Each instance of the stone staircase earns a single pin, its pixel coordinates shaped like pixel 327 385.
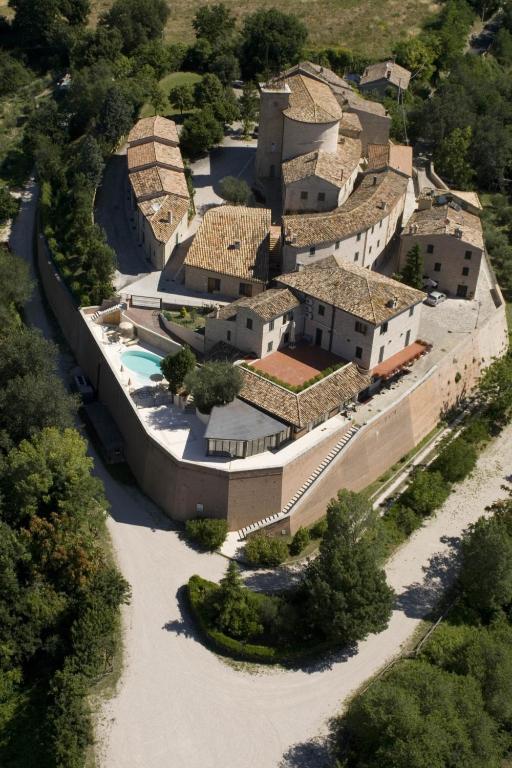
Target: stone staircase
pixel 101 313
pixel 288 509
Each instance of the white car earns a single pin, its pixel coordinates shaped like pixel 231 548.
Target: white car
pixel 435 298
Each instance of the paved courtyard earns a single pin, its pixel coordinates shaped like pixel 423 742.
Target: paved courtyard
pixel 295 366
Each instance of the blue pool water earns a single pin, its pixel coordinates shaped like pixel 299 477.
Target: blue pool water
pixel 146 364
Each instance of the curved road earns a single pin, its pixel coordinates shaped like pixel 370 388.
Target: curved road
pixel 180 705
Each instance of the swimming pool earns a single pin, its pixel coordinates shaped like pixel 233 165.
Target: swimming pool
pixel 145 364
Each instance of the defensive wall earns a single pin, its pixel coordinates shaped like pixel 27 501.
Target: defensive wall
pixel 242 497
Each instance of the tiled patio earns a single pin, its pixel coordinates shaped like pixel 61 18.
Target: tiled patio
pixel 295 366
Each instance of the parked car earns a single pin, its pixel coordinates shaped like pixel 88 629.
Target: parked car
pixel 81 384
pixel 434 298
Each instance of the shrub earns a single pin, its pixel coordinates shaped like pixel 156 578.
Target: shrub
pixel 176 367
pixel 477 432
pixel 214 384
pixel 265 550
pixel 235 190
pixel 299 541
pixel 456 460
pixel 235 607
pixel 318 529
pixel 427 491
pixel 208 533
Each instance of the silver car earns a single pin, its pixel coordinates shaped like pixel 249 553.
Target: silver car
pixel 434 298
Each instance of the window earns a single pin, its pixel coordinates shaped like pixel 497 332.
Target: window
pixel 228 335
pixel 381 354
pixel 411 311
pixel 462 291
pixel 430 248
pixel 359 352
pixel 213 284
pixel 303 195
pixel 437 266
pixel 285 318
pixel 358 236
pixel 337 245
pixel 468 255
pixel 245 289
pixel 312 250
pixel 356 256
pixel 269 346
pixel 370 249
pixel 321 310
pixel 372 230
pixel 380 224
pixel 321 197
pixel 271 325
pixel 248 324
pixel 361 327
pixel 286 338
pixel 383 328
pixel 407 339
pixel 378 243
pixel 465 271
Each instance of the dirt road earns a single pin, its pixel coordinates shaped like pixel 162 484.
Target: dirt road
pixel 180 705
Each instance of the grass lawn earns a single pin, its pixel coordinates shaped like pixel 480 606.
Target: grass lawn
pixel 165 84
pixel 366 26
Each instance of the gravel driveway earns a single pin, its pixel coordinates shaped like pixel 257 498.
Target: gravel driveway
pixel 180 705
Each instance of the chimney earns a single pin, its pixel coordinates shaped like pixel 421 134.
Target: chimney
pixel 392 303
pixel 235 246
pixel 169 217
pixel 458 233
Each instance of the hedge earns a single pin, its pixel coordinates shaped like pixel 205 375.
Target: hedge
pixel 197 588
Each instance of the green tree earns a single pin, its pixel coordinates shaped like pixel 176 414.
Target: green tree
pixel 271 41
pixel 452 157
pixel 426 492
pixel 418 55
pixel 214 384
pixel 486 570
pixel 345 595
pixel 419 716
pixel 15 289
pixel 214 23
pixel 235 190
pixel 226 66
pixel 8 205
pixel 412 273
pixel 138 21
pixel 209 92
pixel 249 106
pixel 455 461
pixel 13 75
pixel 157 99
pixel 176 367
pixel 90 163
pixel 116 116
pixel 209 533
pixel 182 97
pixel 201 131
pixel 495 389
pixel 236 608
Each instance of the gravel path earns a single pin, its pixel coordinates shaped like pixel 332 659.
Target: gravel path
pixel 180 705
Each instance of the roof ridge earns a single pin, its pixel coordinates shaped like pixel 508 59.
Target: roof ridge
pixel 370 297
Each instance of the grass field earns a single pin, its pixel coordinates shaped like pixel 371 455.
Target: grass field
pixel 365 26
pixel 165 84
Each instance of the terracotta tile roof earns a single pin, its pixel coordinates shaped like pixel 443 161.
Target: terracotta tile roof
pixel 267 305
pixel 386 70
pixel 368 295
pixel 352 100
pixel 447 220
pixel 157 181
pixel 318 71
pixel 164 214
pixel 304 407
pixel 154 153
pixel 350 125
pixel 156 127
pixel 397 156
pixel 334 168
pixel 233 240
pixel 310 100
pixel 366 206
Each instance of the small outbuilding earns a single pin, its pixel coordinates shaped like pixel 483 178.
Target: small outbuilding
pixel 238 430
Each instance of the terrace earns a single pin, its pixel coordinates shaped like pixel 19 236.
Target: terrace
pixel 294 367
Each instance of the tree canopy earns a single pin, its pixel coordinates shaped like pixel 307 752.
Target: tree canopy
pixel 214 384
pixel 176 367
pixel 271 41
pixel 138 21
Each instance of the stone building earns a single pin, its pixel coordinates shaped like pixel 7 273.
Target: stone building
pixel 383 77
pixel 159 193
pixel 450 240
pixel 231 251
